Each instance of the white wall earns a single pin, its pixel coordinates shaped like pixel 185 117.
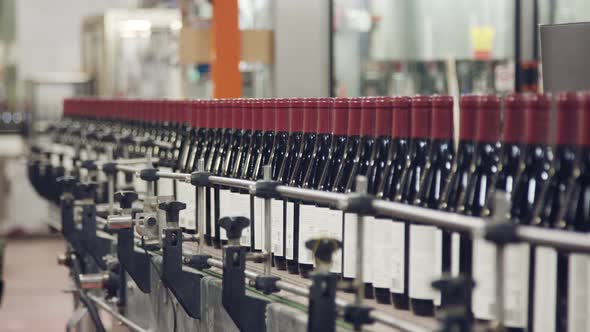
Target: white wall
pixel 48 32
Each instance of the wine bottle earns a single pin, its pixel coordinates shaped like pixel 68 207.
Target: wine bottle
pixel 294 153
pixel 550 304
pixel 530 185
pixel 475 256
pixel 182 189
pixel 343 175
pixel 425 256
pixel 410 185
pixel 310 120
pixel 241 198
pixel 206 153
pixel 171 108
pixel 221 199
pixel 249 172
pixel 277 159
pixel 263 159
pixel 458 181
pixel 375 176
pixel 576 218
pixel 364 157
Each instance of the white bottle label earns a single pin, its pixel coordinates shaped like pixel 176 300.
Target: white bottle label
pixel 424 255
pixel 277 227
pixel 382 249
pixel 165 186
pixel 334 224
pixel 290 213
pixel 350 243
pixel 258 223
pixel 578 295
pixel 212 211
pixel 54 161
pixel 186 194
pixel 516 282
pixel 102 158
pixel 455 253
pixel 240 206
pixel 398 252
pixel 545 289
pixel 139 185
pixel 308 221
pixel 225 210
pixel 349 246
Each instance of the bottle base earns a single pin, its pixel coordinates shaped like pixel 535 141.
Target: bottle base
pixel 349 280
pixel 400 301
pixel 369 291
pixel 280 263
pixel 305 270
pixel 208 240
pixel 292 267
pixel 422 307
pixel 382 295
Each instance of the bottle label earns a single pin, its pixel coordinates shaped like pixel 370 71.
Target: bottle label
pixel 578 295
pixel 290 214
pixel 54 160
pixel 165 186
pixel 226 209
pixel 382 249
pixel 212 211
pixel 258 223
pixel 102 158
pixel 308 221
pixel 334 224
pixel 277 227
pixel 139 185
pixel 350 244
pixel 516 282
pixel 186 194
pixel 240 207
pixel 398 252
pixel 425 261
pixel 545 289
pixel 455 253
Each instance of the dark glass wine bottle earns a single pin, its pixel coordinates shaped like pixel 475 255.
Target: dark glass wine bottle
pixel 375 176
pixel 249 172
pixel 479 189
pixel 310 120
pixel 263 159
pixel 241 198
pixel 341 181
pixel 364 157
pixel 458 181
pixel 425 256
pixel 277 159
pixel 550 298
pixel 294 153
pixel 206 153
pixel 410 185
pixel 220 193
pixel 530 185
pixel 576 218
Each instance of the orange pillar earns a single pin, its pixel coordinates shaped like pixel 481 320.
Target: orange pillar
pixel 226 48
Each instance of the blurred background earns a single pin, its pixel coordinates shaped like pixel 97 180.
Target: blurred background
pixel 50 50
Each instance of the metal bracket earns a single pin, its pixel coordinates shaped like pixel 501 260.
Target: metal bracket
pixel 247 312
pixel 322 304
pixel 200 179
pixel 358 315
pixel 136 264
pixel 93 245
pixel 266 189
pixel 360 204
pixel 185 286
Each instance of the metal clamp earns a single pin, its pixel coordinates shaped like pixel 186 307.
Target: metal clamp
pixel 358 203
pixel 135 263
pixel 200 179
pixel 266 189
pixel 247 312
pixel 455 314
pixel 322 293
